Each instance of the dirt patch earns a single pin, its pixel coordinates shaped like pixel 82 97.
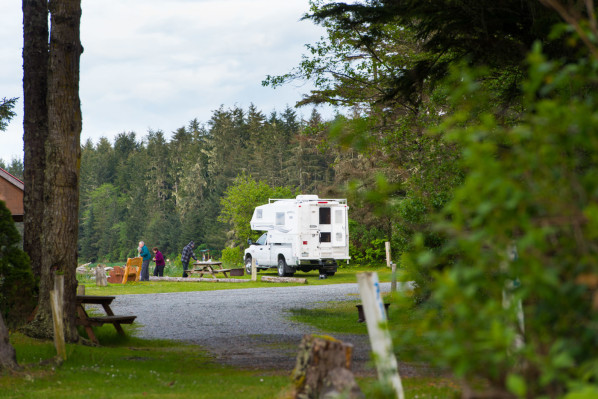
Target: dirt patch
pixel 278 353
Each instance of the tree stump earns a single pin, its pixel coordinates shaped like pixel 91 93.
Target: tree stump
pixel 323 369
pixel 101 280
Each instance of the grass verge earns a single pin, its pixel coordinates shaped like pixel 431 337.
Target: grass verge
pixel 127 367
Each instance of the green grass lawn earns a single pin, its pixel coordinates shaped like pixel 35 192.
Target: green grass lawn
pixel 128 367
pixel 131 368
pixel 345 274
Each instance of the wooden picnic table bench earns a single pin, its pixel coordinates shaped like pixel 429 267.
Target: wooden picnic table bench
pixel 202 268
pixel 88 322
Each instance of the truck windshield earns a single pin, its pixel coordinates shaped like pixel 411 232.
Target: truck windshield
pixel 262 239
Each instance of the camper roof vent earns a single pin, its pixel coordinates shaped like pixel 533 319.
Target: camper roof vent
pixel 307 197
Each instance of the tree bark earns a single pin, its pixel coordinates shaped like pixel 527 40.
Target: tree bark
pixel 59 204
pixel 35 134
pixel 8 357
pixel 35 124
pixel 323 365
pixel 63 156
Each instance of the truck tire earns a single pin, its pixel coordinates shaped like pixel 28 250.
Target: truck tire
pixel 282 267
pixel 248 265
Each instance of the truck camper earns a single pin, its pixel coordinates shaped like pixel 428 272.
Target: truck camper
pixel 304 233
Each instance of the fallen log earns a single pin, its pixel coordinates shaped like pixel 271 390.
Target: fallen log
pixel 199 279
pixel 271 279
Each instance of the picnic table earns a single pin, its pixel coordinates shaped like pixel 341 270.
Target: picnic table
pixel 209 267
pixel 88 322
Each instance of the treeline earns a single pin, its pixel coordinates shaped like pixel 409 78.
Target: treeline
pixel 168 192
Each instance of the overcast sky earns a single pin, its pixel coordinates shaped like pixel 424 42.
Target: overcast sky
pixel 155 64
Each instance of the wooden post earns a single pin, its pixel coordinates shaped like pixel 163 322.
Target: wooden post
pixel 388 260
pixel 393 281
pixel 57 303
pixel 101 280
pixel 253 270
pixel 80 290
pixel 375 317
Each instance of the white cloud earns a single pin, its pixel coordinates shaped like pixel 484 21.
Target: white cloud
pixel 155 64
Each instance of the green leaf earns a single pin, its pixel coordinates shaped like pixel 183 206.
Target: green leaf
pixel 516 384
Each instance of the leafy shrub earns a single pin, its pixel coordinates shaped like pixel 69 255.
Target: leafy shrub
pixel 17 284
pixel 514 294
pixel 232 257
pixel 367 244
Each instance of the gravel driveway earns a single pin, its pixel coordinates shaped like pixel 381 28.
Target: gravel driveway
pixel 242 327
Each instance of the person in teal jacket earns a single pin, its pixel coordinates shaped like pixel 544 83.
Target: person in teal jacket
pixel 145 254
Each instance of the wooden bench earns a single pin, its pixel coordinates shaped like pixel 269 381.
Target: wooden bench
pixel 88 322
pixel 210 271
pixel 209 267
pixel 132 269
pixel 130 272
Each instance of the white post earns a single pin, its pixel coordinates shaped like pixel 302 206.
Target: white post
pixel 375 317
pixel 253 270
pixel 507 299
pixel 57 303
pixel 387 246
pixel 393 281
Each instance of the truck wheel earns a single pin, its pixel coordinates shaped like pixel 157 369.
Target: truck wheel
pixel 282 267
pixel 248 265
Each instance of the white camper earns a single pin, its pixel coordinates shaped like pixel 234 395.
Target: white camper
pixel 304 233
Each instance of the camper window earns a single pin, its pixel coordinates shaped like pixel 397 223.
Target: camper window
pixel 280 218
pixel 258 213
pixel 338 216
pixel 324 237
pixel 324 215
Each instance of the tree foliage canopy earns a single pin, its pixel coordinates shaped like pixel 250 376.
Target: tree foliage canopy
pixel 6 112
pixel 194 186
pixel 486 176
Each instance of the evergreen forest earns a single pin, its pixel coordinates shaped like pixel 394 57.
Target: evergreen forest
pixel 169 192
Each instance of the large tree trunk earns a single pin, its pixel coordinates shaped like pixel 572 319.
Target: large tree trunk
pixel 35 124
pixel 35 127
pixel 8 357
pixel 61 153
pixel 63 156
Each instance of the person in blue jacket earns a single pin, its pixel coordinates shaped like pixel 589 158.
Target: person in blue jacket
pixel 145 254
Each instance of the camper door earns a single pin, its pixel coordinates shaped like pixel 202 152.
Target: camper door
pixel 333 226
pixel 339 226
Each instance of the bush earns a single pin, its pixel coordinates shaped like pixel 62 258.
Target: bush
pixel 514 298
pixel 18 289
pixel 232 257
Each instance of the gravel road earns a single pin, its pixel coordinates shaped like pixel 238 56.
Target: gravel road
pixel 242 327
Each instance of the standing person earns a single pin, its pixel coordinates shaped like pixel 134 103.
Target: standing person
pixel 186 256
pixel 159 259
pixel 145 254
